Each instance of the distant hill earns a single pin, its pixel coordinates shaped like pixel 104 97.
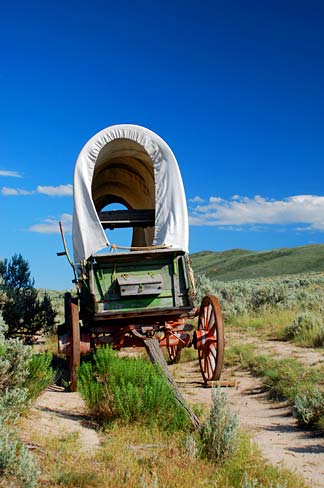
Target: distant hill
pixel 238 264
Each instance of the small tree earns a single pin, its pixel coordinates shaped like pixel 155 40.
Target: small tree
pixel 23 312
pixel 15 273
pixel 49 314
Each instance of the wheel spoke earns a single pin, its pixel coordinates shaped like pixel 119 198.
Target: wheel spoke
pixel 208 366
pixel 209 309
pixel 211 368
pixel 202 322
pixel 211 322
pixel 206 316
pixel 213 351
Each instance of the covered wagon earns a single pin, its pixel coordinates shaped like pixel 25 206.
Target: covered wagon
pixel 129 293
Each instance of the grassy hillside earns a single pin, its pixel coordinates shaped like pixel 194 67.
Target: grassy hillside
pixel 239 264
pixel 244 264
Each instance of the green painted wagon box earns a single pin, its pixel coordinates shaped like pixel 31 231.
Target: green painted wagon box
pixel 138 280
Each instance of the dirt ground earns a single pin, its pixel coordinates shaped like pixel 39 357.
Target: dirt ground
pixel 269 423
pixel 57 413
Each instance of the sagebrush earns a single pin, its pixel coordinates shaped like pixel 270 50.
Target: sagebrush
pixel 218 434
pixel 303 292
pixel 22 377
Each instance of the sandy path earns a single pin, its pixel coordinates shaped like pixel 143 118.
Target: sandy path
pixel 57 413
pixel 307 356
pixel 269 423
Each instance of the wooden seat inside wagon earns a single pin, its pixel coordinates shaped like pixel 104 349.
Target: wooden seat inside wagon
pixel 115 219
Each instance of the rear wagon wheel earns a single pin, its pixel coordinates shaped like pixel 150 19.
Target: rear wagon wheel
pixel 211 343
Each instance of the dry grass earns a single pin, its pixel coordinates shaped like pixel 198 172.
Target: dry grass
pixel 268 323
pixel 135 457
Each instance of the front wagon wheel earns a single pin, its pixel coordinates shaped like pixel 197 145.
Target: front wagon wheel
pixel 210 339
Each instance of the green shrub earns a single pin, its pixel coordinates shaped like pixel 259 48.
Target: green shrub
pixel 308 328
pixel 40 374
pixel 129 389
pixel 18 467
pixel 218 435
pixel 22 377
pixel 14 359
pixel 309 407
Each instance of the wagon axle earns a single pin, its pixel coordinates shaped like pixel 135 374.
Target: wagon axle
pixel 133 338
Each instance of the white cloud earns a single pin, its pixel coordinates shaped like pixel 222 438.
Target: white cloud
pixel 12 174
pixel 196 199
pixel 51 225
pixel 299 209
pixel 215 200
pixel 15 191
pixel 61 190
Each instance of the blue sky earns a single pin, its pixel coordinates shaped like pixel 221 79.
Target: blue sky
pixel 235 88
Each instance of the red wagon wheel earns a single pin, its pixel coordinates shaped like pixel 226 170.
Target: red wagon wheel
pixel 210 336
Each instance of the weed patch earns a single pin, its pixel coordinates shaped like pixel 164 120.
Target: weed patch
pixel 129 389
pixel 137 456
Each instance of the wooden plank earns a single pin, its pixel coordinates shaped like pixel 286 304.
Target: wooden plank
pixel 135 256
pixel 136 279
pixel 156 356
pixel 127 218
pixel 138 285
pixel 137 315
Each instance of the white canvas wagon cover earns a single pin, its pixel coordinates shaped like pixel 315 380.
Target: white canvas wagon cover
pixel 131 165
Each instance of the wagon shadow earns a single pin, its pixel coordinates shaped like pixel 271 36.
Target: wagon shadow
pixel 314 449
pixel 85 420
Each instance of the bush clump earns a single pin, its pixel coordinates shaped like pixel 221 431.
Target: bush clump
pixel 132 390
pixel 218 435
pixel 18 467
pixel 40 374
pixel 307 328
pixel 22 377
pixel 309 407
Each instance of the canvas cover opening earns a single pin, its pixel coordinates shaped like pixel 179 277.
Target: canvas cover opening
pixel 131 165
